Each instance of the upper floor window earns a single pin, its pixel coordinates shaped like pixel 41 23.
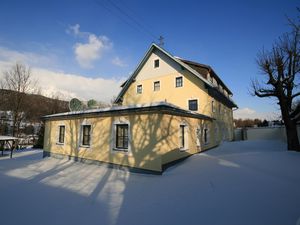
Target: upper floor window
pixel 193 105
pixel 139 89
pixel 156 86
pixel 86 135
pixel 156 63
pixel 61 135
pixel 122 137
pixel 213 106
pixel 179 82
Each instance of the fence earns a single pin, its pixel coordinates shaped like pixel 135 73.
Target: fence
pixel 259 133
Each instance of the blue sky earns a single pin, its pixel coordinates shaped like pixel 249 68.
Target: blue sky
pixel 97 41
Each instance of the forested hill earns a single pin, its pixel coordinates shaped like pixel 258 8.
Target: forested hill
pixel 33 105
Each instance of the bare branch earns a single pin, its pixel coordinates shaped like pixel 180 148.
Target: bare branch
pixel 295 95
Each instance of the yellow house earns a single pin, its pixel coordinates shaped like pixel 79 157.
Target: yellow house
pixel 169 108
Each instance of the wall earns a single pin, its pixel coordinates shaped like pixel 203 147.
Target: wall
pixel 193 88
pixel 154 139
pixel 195 140
pixel 266 133
pixel 144 152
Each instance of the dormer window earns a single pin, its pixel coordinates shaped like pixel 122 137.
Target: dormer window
pixel 156 63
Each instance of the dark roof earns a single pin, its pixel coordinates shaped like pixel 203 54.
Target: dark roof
pixel 157 107
pixel 203 69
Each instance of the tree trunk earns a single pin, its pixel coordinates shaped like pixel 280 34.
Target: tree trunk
pixel 292 136
pixel 290 127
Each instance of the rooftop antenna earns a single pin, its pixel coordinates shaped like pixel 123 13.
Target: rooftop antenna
pixel 161 41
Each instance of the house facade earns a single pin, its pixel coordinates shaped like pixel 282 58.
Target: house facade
pixel 168 109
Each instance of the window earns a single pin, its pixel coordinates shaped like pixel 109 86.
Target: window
pixel 206 136
pixel 156 63
pixel 122 136
pixel 183 142
pixel 61 135
pixel 156 86
pixel 139 89
pixel 198 137
pixel 179 82
pixel 86 135
pixel 193 105
pixel 213 106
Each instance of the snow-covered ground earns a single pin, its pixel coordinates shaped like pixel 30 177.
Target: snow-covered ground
pixel 251 182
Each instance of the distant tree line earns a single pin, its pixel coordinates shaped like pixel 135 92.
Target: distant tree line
pixel 240 123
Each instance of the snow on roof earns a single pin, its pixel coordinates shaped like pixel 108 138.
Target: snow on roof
pixel 7 138
pixel 129 107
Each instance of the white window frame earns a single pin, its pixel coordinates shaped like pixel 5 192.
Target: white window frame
pixel 114 139
pixel 139 85
pixel 198 132
pixel 84 123
pixel 176 82
pixel 57 134
pixel 154 85
pixel 186 137
pixel 198 105
pixel 213 108
pixel 207 141
pixel 157 59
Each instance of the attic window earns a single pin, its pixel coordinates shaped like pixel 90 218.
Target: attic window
pixel 179 82
pixel 156 63
pixel 139 89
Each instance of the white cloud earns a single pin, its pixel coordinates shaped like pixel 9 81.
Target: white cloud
pixel 91 49
pixel 63 84
pixel 8 55
pixel 118 62
pixel 73 29
pixel 248 113
pixel 87 53
pixel 71 85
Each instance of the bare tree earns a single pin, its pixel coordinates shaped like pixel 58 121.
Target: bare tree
pixel 281 69
pixel 19 80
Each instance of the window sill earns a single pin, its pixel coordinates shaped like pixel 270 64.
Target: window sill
pixel 59 143
pixel 84 146
pixel 121 149
pixel 183 149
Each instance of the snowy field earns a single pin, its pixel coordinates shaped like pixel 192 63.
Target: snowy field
pixel 251 182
